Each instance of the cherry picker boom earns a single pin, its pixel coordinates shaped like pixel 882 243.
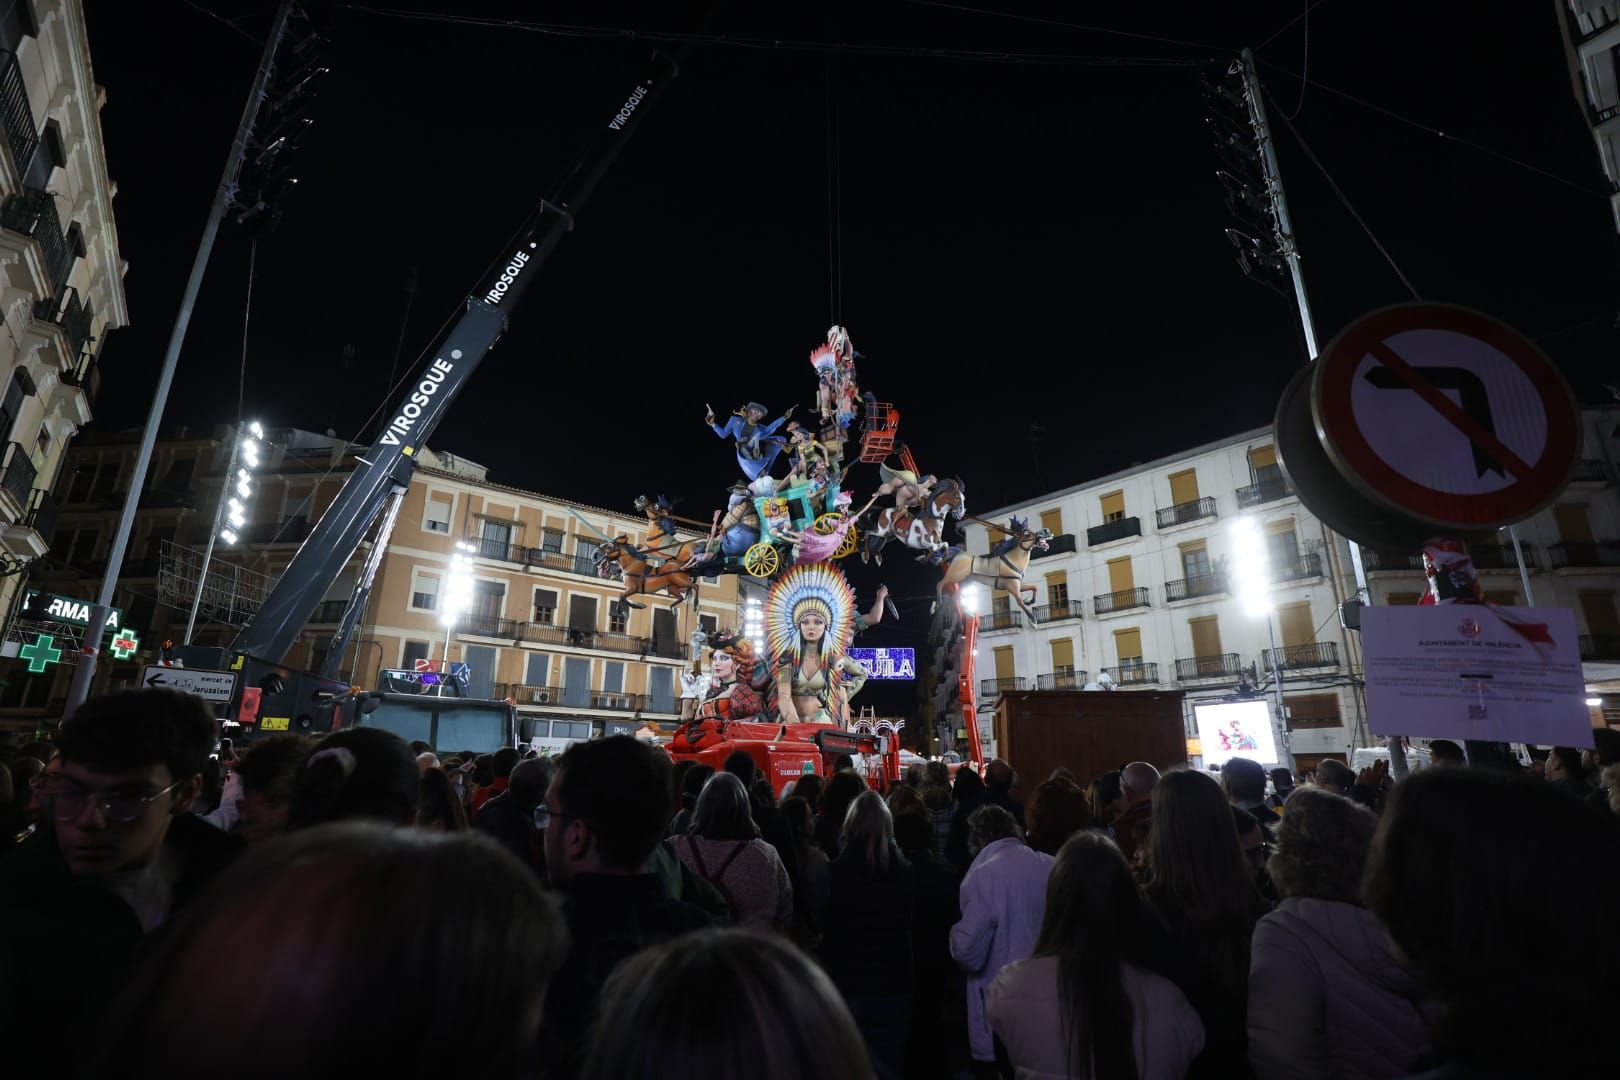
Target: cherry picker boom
pixel 373 492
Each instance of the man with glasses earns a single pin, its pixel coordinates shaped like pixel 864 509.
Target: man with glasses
pixel 118 852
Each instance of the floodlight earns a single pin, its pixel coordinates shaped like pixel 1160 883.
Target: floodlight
pixel 1251 578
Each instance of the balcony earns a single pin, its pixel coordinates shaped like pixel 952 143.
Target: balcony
pixel 1001 620
pixel 1110 531
pixel 500 551
pixel 1211 584
pixel 33 213
pixel 77 389
pixel 1063 679
pixel 16 114
pixel 1186 513
pixel 1560 556
pixel 1318 654
pixel 1062 544
pixel 73 318
pixel 1123 600
pixel 524 694
pixel 993 688
pixel 1138 673
pixel 18 479
pixel 1589 471
pixel 536 633
pixel 1267 490
pixel 329 611
pixel 1389 561
pixel 1063 609
pixel 1225 666
pixel 1500 557
pixel 618 702
pixel 30 536
pixel 1600 647
pixel 1301 569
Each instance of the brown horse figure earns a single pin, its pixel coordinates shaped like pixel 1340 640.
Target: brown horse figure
pixel 922 529
pixel 1004 567
pixel 639 577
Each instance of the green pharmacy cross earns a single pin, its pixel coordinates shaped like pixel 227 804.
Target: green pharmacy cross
pixel 125 644
pixel 40 652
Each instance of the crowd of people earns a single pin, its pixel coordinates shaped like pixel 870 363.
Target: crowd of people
pixel 311 907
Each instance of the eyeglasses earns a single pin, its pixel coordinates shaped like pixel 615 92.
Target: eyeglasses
pixel 68 802
pixel 543 815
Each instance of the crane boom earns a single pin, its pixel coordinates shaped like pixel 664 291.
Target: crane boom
pixel 385 470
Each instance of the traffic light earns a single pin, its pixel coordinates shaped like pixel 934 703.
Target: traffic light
pixel 1232 123
pixel 268 166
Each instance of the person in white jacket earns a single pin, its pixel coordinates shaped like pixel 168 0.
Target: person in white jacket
pixel 1326 995
pixel 1003 899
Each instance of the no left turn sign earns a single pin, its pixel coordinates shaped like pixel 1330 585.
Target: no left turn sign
pixel 1446 415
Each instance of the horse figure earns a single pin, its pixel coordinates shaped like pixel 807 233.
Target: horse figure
pixel 637 574
pixel 922 529
pixel 1004 567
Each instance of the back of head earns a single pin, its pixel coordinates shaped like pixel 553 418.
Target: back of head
pixel 692 784
pixel 505 760
pixel 1570 759
pixel 904 799
pixel 988 824
pixel 1335 776
pixel 1104 791
pixel 314 923
pixel 1244 780
pixel 1138 779
pixel 530 779
pixel 620 788
pixel 1321 846
pixel 868 831
pixel 969 787
pixel 765 1013
pixel 723 810
pixel 998 776
pixel 1471 871
pixel 936 772
pixel 359 772
pixel 808 787
pixel 1444 752
pixel 1058 811
pixel 1282 780
pixel 269 764
pixel 1196 865
pixel 133 729
pixel 438 806
pixel 839 791
pixel 484 770
pixel 1605 747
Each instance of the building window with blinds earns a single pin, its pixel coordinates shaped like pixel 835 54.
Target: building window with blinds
pixel 1113 507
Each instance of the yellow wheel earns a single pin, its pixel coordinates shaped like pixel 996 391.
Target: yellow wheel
pixel 762 560
pixel 828 523
pixel 850 544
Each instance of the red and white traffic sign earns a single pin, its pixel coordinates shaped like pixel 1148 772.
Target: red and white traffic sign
pixel 1446 415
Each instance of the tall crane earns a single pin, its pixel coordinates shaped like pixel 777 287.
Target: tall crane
pixel 375 489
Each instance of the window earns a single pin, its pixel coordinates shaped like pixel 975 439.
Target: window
pixel 661 690
pixel 1000 601
pixel 20 387
pixel 494 539
pixel 613 677
pixel 440 508
pixel 1113 506
pixel 488 598
pixel 84 477
pixel 82 548
pixel 1057 589
pixel 1128 647
pixel 551 540
pixel 414 651
pixel 1263 464
pixel 106 477
pixel 618 617
pixel 480 730
pixel 1206 639
pixel 582 612
pixel 42 443
pixel 1052 521
pixel 710 624
pixel 424 592
pixel 1184 487
pixel 545 606
pixel 1282 545
pixel 1195 559
pixel 1120 578
pixel 571 729
pixel 536 669
pixel 178 478
pixel 1598 607
pixel 1006 667
pixel 1298 628
pixel 1063 656
pixel 1312 711
pixel 1574 527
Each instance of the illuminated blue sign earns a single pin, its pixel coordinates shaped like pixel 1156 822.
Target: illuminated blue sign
pixel 887 663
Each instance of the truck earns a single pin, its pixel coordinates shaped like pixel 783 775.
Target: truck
pixel 1088 731
pixel 272 696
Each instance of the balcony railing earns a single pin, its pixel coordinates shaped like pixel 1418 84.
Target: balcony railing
pixel 990 688
pixel 1001 620
pixel 41 516
pixel 1373 559
pixel 33 213
pixel 1122 600
pixel 73 317
pixel 1293 657
pixel 1063 609
pixel 1191 588
pixel 18 480
pixel 1590 470
pixel 1065 679
pixel 1133 674
pixel 1600 646
pixel 501 551
pixel 576 637
pixel 1113 530
pixel 1267 490
pixel 1222 666
pixel 16 114
pixel 1500 556
pixel 1062 544
pixel 329 611
pixel 1300 569
pixel 86 376
pixel 1183 513
pixel 1599 554
pixel 619 702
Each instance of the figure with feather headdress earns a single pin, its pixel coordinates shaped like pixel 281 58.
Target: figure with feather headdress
pixel 810 620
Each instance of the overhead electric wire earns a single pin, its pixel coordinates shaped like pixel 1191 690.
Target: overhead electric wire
pixel 1304 61
pixel 996 56
pixel 1310 6
pixel 247 312
pixel 1345 199
pixel 220 18
pixel 1087 28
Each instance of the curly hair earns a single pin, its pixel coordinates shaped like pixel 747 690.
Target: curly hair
pixel 1321 846
pixel 742 651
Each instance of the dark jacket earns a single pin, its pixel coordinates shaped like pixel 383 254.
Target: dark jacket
pixel 1002 797
pixel 610 919
pixel 956 845
pixel 68 946
pixel 867 945
pixel 510 823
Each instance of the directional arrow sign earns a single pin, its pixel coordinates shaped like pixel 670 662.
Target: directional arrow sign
pixel 1445 415
pixel 208 685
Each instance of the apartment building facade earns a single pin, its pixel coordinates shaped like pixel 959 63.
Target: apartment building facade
pixel 61 272
pixel 1136 589
pixel 1592 38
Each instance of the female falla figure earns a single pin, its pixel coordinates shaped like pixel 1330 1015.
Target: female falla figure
pixel 730 695
pixel 810 618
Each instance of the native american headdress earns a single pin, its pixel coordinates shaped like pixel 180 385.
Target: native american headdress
pixel 814 587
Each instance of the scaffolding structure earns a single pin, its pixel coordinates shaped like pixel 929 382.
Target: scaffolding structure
pixel 231 595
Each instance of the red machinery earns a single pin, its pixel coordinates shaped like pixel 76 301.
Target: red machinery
pixel 788 751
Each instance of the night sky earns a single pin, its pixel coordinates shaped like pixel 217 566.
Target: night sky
pixel 1021 243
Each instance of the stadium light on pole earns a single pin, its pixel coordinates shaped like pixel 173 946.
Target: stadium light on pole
pixel 230 518
pixel 971 597
pixel 1251 584
pixel 456 599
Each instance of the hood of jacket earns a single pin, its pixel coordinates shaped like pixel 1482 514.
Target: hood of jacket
pixel 1351 933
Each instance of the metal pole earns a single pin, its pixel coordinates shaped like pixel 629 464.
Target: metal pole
pixel 1524 575
pixel 1290 253
pixel 85 670
pixel 444 664
pixel 208 552
pixel 1280 727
